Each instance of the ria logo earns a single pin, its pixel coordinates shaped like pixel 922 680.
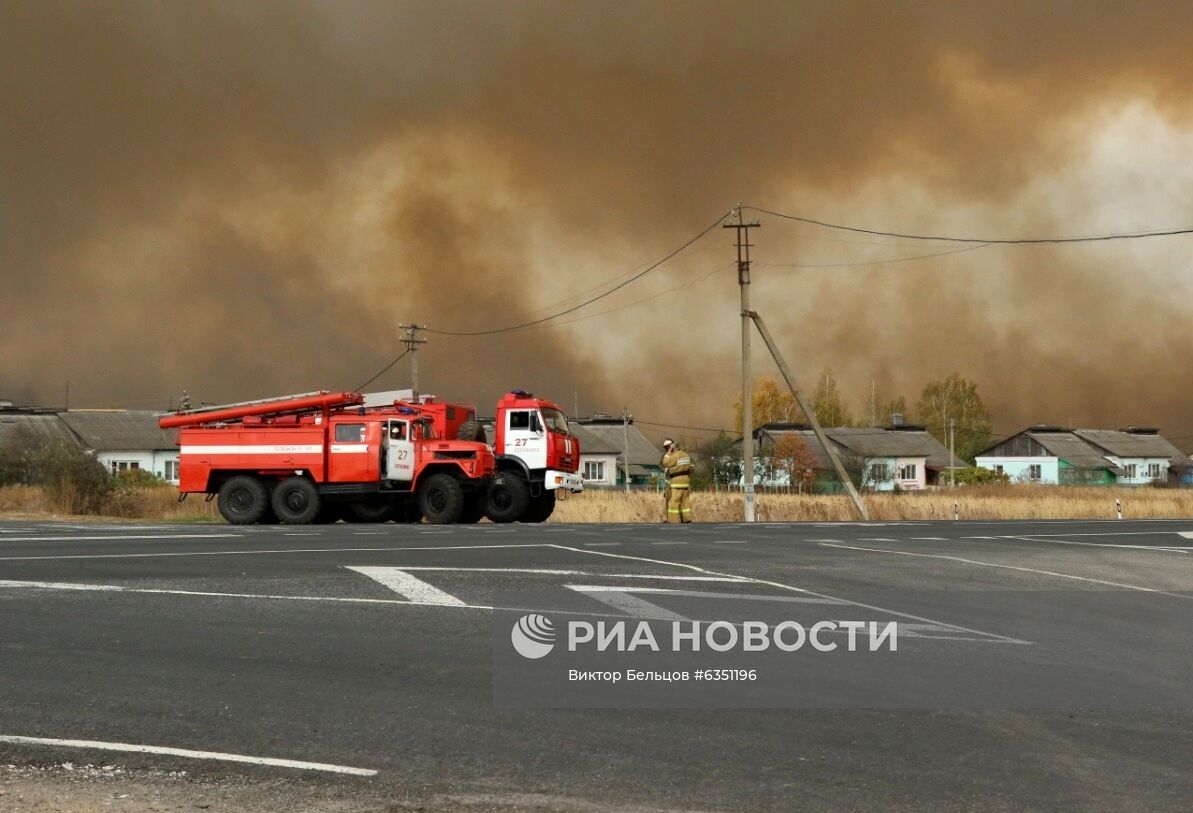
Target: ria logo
pixel 533 636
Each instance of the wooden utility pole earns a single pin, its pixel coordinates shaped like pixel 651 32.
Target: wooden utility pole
pixel 747 406
pixel 412 342
pixel 825 443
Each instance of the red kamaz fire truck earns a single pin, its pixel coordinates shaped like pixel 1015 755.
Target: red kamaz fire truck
pixel 537 455
pixel 324 456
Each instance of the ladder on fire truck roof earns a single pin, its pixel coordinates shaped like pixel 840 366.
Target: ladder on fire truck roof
pixel 303 402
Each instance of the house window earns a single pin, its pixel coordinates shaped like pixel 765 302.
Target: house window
pixel 171 470
pixel 1035 472
pixel 350 433
pixel 1153 471
pixel 880 472
pixel 998 468
pixel 1131 469
pixel 594 469
pixel 909 471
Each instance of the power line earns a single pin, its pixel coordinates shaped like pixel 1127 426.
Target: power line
pixel 876 262
pixel 589 301
pixel 384 370
pixel 1093 238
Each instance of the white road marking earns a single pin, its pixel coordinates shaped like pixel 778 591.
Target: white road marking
pixel 408 586
pixel 186 753
pixel 116 537
pixel 782 586
pixel 588 588
pixel 730 541
pixel 303 533
pixel 915 538
pixel 558 572
pixel 1097 544
pixel 1016 567
pixel 876 539
pixel 628 604
pixel 275 551
pixel 601 544
pixel 1185 534
pixel 668 543
pixel 59 585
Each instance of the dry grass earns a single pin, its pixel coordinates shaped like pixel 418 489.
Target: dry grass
pixel 981 502
pixel 158 504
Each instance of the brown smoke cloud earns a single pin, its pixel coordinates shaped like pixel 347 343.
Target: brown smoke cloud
pixel 246 199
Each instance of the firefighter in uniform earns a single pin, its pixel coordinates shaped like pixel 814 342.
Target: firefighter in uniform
pixel 677 465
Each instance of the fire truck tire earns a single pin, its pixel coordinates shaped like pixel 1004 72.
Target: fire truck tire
pixel 508 498
pixel 540 508
pixel 409 512
pixel 243 500
pixel 376 509
pixel 471 430
pixel 441 499
pixel 296 501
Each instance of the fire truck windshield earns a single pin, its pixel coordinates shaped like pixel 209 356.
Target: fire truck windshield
pixel 556 421
pixel 424 429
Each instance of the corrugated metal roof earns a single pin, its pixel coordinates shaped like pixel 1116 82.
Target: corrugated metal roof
pixel 38 427
pixel 873 442
pixel 608 438
pixel 1130 444
pixel 119 431
pixel 1072 449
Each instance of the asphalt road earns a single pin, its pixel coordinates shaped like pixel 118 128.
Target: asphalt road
pixel 1070 641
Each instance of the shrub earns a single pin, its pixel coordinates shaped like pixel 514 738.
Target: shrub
pixel 74 481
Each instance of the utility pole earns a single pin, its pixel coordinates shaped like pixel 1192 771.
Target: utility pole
pixel 412 342
pixel 810 414
pixel 625 430
pixel 952 452
pixel 747 400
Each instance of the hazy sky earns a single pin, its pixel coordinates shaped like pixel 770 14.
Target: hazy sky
pixel 246 198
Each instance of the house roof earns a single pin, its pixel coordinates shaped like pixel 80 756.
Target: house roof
pixel 39 427
pixel 1132 444
pixel 609 438
pixel 868 441
pixel 118 431
pixel 1072 449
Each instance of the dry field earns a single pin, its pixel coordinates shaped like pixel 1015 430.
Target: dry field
pixel 157 504
pixel 978 502
pixel 982 502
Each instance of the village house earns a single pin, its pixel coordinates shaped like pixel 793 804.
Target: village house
pixel 602 452
pixel 897 457
pixel 1054 455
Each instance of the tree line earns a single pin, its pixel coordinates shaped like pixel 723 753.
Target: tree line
pixel 953 397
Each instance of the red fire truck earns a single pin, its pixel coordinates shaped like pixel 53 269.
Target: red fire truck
pixel 323 456
pixel 537 455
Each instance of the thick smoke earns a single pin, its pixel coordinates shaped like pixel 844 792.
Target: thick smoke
pixel 246 199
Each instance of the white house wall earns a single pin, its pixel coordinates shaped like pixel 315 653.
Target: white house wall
pixel 1141 465
pixel 610 473
pixel 1019 468
pixel 152 461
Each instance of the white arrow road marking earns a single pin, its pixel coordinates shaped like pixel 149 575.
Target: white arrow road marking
pixel 620 599
pixel 408 586
pixel 188 754
pixel 1185 534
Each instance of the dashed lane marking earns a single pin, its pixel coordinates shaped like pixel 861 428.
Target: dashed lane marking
pixel 730 542
pixel 186 753
pixel 601 544
pixel 1163 548
pixel 668 543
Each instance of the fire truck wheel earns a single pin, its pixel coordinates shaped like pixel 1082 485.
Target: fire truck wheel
pixel 296 501
pixel 376 509
pixel 243 500
pixel 471 430
pixel 409 512
pixel 441 499
pixel 508 498
pixel 540 508
pixel 329 514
